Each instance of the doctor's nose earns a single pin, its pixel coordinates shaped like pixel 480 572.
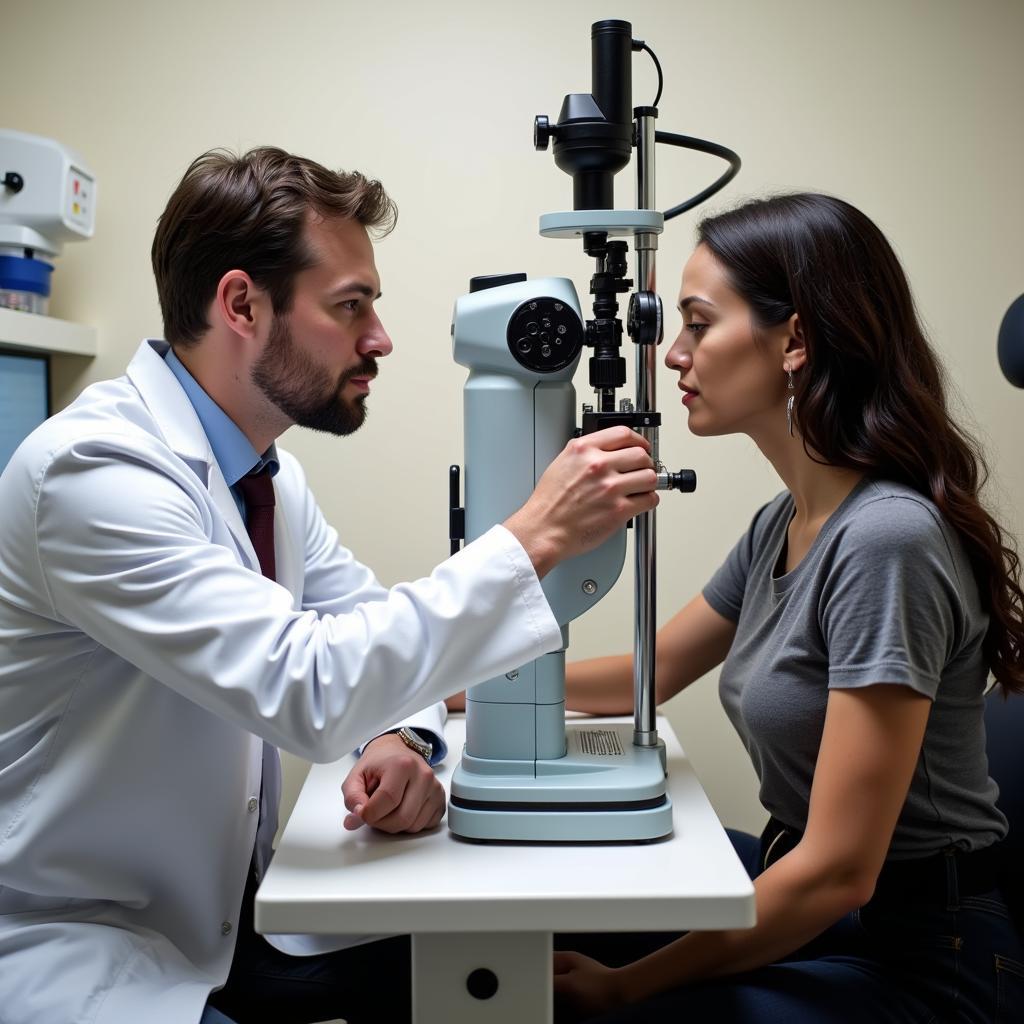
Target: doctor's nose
pixel 376 341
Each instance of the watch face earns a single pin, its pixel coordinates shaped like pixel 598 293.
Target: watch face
pixel 413 740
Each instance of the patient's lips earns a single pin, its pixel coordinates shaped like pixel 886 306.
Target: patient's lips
pixel 688 393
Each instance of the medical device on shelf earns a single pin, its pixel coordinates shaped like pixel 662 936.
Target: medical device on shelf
pixel 47 198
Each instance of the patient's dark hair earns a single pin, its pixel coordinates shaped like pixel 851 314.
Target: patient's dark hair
pixel 249 213
pixel 871 396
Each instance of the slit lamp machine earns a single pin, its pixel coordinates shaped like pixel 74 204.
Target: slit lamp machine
pixel 524 776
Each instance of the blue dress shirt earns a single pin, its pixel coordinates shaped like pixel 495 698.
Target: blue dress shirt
pixel 233 451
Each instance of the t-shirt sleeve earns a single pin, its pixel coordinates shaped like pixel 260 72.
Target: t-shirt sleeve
pixel 724 591
pixel 891 610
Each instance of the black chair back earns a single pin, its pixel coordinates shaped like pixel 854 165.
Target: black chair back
pixel 1004 726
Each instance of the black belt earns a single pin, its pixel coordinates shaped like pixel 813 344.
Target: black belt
pixel 939 878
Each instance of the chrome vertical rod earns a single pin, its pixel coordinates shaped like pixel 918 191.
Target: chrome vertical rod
pixel 645 733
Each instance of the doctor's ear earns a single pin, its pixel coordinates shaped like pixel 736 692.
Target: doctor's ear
pixel 795 351
pixel 240 304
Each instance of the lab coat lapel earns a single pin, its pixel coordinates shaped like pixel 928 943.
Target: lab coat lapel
pixel 170 408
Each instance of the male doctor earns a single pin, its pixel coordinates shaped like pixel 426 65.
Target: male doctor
pixel 173 608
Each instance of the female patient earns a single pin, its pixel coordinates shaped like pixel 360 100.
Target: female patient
pixel 858 620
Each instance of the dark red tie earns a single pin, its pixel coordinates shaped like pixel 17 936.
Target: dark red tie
pixel 258 492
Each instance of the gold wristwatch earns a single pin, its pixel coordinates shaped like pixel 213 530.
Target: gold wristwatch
pixel 414 741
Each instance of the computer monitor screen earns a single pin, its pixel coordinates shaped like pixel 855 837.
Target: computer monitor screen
pixel 24 398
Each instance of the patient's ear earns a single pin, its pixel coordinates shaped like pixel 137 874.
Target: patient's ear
pixel 795 350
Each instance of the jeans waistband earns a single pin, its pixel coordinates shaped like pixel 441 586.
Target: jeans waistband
pixel 942 877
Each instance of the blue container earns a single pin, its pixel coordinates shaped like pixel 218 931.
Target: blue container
pixel 22 274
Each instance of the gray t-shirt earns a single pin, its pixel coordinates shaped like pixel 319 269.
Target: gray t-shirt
pixel 885 595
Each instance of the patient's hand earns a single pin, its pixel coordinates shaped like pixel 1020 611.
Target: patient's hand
pixel 392 789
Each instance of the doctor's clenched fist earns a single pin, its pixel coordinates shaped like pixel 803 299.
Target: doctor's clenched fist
pixel 392 789
pixel 595 486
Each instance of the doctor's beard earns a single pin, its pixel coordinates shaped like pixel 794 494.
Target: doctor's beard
pixel 301 388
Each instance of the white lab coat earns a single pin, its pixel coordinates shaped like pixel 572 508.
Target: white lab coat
pixel 143 659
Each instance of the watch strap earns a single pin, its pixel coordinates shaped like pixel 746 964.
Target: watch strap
pixel 414 741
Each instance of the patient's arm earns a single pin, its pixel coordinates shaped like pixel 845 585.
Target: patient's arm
pixel 690 644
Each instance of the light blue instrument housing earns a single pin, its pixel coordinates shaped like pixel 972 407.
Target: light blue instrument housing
pixel 517 420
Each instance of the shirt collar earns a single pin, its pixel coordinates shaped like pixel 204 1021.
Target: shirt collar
pixel 231 448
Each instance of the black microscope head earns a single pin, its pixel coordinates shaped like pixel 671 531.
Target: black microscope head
pixel 593 138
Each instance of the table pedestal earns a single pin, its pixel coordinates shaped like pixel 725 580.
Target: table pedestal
pixel 482 978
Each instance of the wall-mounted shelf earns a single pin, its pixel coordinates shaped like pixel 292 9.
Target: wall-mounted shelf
pixel 45 333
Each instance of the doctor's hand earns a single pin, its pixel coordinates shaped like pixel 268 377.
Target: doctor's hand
pixel 392 789
pixel 593 488
pixel 587 985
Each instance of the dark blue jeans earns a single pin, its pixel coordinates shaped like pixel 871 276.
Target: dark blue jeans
pixel 954 959
pixel 367 984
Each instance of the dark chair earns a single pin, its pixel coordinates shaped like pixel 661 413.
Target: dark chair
pixel 1004 726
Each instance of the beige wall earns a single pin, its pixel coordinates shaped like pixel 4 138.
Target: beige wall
pixel 912 109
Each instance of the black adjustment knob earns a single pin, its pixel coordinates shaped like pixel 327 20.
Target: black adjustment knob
pixel 482 983
pixel 542 132
pixel 607 372
pixel 644 322
pixel 14 181
pixel 685 481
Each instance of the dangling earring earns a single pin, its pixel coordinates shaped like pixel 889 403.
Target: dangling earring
pixel 789 402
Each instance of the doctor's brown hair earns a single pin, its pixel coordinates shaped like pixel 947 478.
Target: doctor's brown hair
pixel 249 213
pixel 872 395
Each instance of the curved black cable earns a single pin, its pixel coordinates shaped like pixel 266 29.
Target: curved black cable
pixel 639 44
pixel 701 146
